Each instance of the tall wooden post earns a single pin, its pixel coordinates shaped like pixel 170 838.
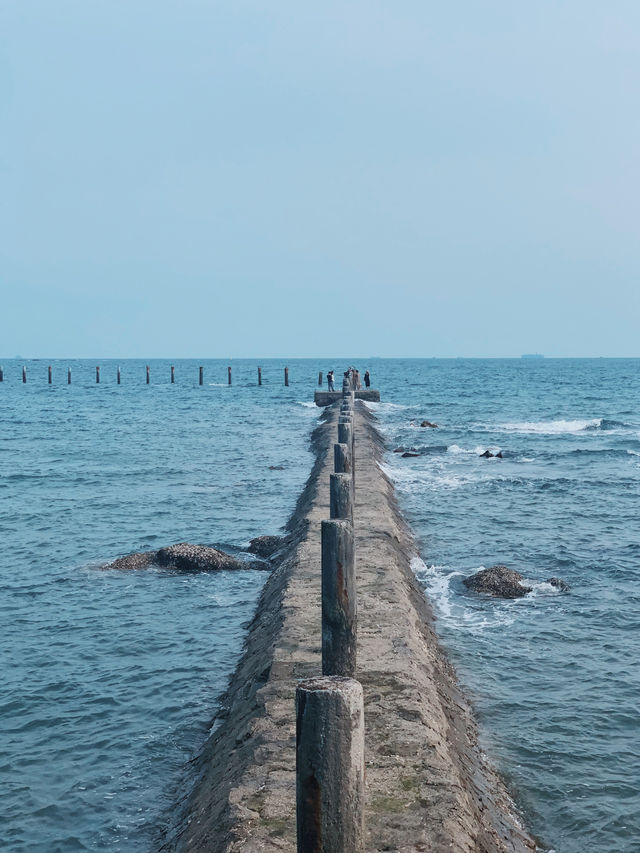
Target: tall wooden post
pixel 330 765
pixel 147 374
pixel 320 379
pixel 339 611
pixel 286 377
pixel 49 374
pixel 341 496
pixel 259 376
pixel 1 373
pixel 342 458
pixel 24 374
pixel 68 376
pixel 97 374
pixel 173 374
pixel 229 374
pixel 201 376
pixel 118 375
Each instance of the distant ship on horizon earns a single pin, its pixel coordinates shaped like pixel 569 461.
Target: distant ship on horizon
pixel 532 355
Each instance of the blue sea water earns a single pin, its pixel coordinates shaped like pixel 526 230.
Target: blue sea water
pixel 110 679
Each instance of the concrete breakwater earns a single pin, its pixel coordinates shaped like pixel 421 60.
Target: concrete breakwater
pixel 428 786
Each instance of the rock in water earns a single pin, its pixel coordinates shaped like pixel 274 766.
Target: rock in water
pixel 498 581
pixel 141 560
pixel 563 586
pixel 197 558
pixel 265 546
pixel 408 454
pixel 429 424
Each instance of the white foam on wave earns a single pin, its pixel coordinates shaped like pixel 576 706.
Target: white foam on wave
pixel 633 452
pixel 306 404
pixel 552 427
pixel 456 450
pixel 452 608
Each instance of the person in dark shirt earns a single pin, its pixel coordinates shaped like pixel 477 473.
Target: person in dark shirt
pixel 367 379
pixel 330 380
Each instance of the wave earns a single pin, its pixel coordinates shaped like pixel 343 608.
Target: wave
pixel 558 427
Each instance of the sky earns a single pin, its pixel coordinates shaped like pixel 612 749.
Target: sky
pixel 193 178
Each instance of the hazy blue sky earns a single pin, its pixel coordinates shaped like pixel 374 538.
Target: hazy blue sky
pixel 196 178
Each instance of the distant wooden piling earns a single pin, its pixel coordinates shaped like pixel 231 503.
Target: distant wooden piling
pixel 97 374
pixel 286 377
pixel 173 375
pixel 148 374
pixel 68 376
pixel 259 376
pixel 229 374
pixel 320 379
pixel 118 375
pixel 24 374
pixel 49 374
pixel 329 765
pixel 1 373
pixel 341 496
pixel 201 376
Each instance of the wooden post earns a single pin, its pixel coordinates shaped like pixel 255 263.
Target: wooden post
pixel 286 377
pixel 345 433
pixel 1 373
pixel 147 374
pixel 24 374
pixel 229 374
pixel 341 496
pixel 173 374
pixel 342 458
pixel 259 376
pixel 68 376
pixel 330 765
pixel 97 375
pixel 320 379
pixel 201 376
pixel 49 374
pixel 339 608
pixel 118 374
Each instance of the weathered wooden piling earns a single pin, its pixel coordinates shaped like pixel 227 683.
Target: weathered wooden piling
pixel 320 379
pixel 24 374
pixel 342 458
pixel 286 377
pixel 259 376
pixel 118 375
pixel 173 375
pixel 68 376
pixel 345 433
pixel 229 374
pixel 1 373
pixel 97 374
pixel 330 766
pixel 49 374
pixel 201 375
pixel 148 377
pixel 341 496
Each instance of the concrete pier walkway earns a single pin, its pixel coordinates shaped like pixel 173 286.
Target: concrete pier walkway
pixel 428 786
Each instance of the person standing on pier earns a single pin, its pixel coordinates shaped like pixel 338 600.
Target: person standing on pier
pixel 356 378
pixel 367 379
pixel 330 380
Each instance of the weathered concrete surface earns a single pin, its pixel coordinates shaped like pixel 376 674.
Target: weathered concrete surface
pixel 326 398
pixel 428 786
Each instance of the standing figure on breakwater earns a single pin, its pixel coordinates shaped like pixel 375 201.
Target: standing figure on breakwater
pixel 367 379
pixel 330 380
pixel 356 379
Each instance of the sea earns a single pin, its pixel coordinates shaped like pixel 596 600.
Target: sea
pixel 111 679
